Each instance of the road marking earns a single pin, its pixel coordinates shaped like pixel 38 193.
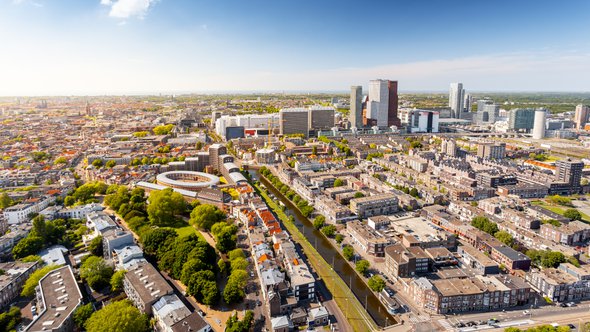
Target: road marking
pixel 446 325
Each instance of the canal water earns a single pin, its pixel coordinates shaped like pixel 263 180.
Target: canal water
pixel 366 296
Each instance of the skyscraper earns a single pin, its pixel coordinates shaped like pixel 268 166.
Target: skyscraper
pixel 467 101
pixel 539 125
pixel 581 116
pixel 392 118
pixel 383 103
pixel 356 106
pixel 456 100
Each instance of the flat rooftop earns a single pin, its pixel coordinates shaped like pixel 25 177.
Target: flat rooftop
pixel 60 296
pixel 419 228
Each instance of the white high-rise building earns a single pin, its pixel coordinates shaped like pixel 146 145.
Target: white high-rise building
pixel 539 125
pixel 467 102
pixel 456 100
pixel 581 116
pixel 378 104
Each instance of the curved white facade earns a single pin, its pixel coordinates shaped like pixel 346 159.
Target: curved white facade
pixel 539 124
pixel 188 180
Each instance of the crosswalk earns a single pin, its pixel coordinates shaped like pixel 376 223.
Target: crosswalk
pixel 419 319
pixel 446 325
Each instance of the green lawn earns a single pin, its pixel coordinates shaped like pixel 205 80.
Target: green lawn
pixel 559 209
pixel 185 231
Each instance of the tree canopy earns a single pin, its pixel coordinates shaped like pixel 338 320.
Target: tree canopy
pixel 205 216
pixel 33 280
pixel 362 266
pixel 164 206
pixel 376 283
pixel 119 316
pixel 96 272
pixel 572 214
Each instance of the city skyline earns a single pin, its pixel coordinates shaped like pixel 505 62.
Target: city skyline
pixel 147 47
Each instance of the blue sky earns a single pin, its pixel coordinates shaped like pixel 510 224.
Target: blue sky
pixel 145 46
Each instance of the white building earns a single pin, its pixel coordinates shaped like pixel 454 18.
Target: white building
pixel 423 121
pixel 20 213
pixel 539 125
pixel 456 94
pixel 248 121
pixel 378 104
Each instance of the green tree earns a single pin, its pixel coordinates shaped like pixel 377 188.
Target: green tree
pixel 33 280
pixel 552 259
pixel 163 130
pixel 362 267
pixel 119 316
pixel 111 164
pixel 117 280
pixel 236 253
pixel 359 194
pixel 572 214
pixel 96 272
pixel 30 245
pixel 82 313
pixel 234 289
pixel 95 246
pixel 239 264
pixel 98 163
pixel 319 221
pixel 338 183
pixel 5 201
pixel 60 160
pixel 329 230
pixel 226 238
pixel 155 239
pixel 199 145
pixel 376 283
pixel 348 252
pixel 339 238
pixel 10 319
pixel 205 215
pixel 164 206
pixel 484 224
pixel 233 324
pixel 505 238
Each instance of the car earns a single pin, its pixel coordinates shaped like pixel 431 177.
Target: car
pixel 526 312
pixel 571 304
pixel 460 324
pixel 571 326
pixel 471 323
pixel 563 305
pixel 492 321
pixel 258 303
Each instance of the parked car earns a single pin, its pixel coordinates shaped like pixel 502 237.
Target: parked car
pixel 571 304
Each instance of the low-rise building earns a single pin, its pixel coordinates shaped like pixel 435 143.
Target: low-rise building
pixel 479 293
pixel 144 285
pixel 369 206
pixel 402 262
pixel 368 239
pixel 477 260
pixel 58 296
pixel 11 281
pixel 563 284
pixel 172 315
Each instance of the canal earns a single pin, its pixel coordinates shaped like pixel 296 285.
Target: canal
pixel 360 289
